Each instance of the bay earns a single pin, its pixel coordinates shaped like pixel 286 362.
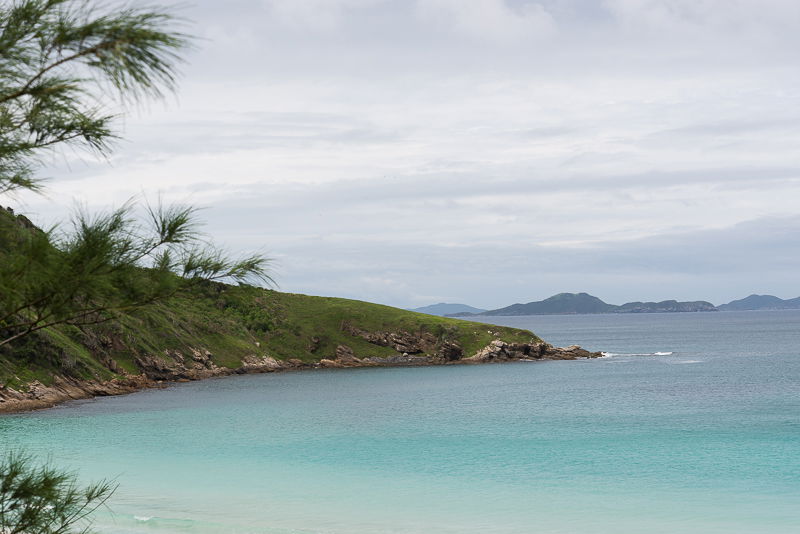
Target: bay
pixel 690 425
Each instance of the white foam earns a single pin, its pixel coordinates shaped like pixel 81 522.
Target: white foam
pixel 690 361
pixel 143 518
pixel 612 354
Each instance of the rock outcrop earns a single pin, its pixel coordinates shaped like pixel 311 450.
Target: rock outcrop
pixel 402 342
pixel 38 396
pixel 500 351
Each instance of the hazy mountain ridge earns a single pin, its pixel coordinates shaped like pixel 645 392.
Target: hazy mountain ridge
pixel 562 303
pixel 583 303
pixel 761 302
pixel 448 309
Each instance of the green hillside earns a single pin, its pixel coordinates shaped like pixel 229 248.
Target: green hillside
pixel 214 328
pixel 231 323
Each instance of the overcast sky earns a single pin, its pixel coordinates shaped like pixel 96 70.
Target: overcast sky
pixel 480 151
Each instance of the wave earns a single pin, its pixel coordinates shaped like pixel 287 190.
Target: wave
pixel 660 353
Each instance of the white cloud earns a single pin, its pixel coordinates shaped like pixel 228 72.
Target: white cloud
pixel 489 19
pixel 433 148
pixel 317 15
pixel 729 16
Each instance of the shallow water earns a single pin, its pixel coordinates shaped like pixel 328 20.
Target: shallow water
pixel 704 439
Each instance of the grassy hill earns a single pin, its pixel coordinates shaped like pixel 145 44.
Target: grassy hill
pixel 231 324
pixel 217 328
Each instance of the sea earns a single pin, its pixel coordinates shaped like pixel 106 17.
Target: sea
pixel 689 424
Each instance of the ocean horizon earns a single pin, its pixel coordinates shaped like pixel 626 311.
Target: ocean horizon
pixel 690 424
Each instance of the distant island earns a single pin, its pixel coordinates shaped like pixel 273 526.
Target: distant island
pixel 761 302
pixel 584 303
pixel 445 309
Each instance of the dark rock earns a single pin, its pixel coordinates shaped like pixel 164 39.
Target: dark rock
pixel 399 341
pixel 450 351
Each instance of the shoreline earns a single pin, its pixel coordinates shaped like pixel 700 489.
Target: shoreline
pixel 155 374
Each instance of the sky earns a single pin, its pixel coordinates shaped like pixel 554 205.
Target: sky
pixel 486 152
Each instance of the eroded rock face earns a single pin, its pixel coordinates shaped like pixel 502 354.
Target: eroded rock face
pixel 450 351
pixel 573 352
pixel 402 342
pixel 253 363
pixel 177 365
pixel 39 396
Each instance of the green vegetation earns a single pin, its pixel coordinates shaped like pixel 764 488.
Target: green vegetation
pixel 62 63
pixel 299 320
pixel 108 265
pixel 45 500
pixel 230 323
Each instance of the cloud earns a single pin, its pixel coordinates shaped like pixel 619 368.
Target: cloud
pixel 494 20
pixel 482 151
pixel 689 265
pixel 742 18
pixel 316 15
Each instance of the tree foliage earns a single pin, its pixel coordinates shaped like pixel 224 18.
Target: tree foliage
pixel 108 263
pixel 45 500
pixel 63 64
pixel 61 61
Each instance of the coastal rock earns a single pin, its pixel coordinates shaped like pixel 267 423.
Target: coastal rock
pixel 38 395
pixel 176 366
pixel 400 341
pixel 347 358
pixel 345 354
pixel 264 364
pixel 449 351
pixel 493 352
pixel 500 351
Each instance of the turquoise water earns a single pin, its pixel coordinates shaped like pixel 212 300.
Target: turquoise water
pixel 705 439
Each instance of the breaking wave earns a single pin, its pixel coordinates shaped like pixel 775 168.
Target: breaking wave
pixel 612 354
